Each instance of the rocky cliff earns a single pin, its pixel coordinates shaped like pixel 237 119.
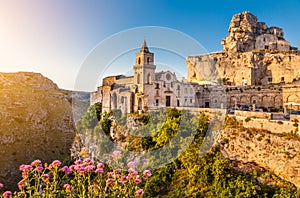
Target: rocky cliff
pixel 277 153
pixel 36 122
pixel 253 54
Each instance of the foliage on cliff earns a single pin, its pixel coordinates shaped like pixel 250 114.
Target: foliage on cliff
pixel 192 174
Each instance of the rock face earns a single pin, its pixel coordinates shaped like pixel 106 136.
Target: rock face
pixel 36 123
pixel 253 54
pixel 246 34
pixel 273 152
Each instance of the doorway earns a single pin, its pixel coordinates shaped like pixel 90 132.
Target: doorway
pixel 168 101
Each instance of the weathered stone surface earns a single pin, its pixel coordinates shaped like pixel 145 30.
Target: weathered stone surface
pixel 253 54
pixel 36 123
pixel 273 152
pixel 247 34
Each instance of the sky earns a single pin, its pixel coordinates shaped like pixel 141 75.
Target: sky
pixel 57 37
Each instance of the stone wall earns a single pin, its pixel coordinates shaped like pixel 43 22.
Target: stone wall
pixel 252 114
pixel 248 68
pixel 274 126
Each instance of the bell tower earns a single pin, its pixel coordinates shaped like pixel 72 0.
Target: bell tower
pixel 144 68
pixel 144 75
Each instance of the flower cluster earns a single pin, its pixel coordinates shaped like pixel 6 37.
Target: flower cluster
pixel 83 178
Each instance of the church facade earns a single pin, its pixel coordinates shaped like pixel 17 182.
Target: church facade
pixel 148 89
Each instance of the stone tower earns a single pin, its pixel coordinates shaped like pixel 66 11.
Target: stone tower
pixel 144 74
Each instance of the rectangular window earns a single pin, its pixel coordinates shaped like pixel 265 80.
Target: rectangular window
pixel 157 102
pixel 282 79
pixel 270 80
pixel 191 100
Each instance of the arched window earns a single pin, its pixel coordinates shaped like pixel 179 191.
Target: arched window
pixel 139 60
pixel 148 60
pixel 149 79
pixel 138 79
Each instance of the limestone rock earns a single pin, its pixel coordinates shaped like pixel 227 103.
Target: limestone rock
pixel 253 55
pixel 36 123
pixel 273 152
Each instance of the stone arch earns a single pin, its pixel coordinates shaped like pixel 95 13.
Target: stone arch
pixel 292 98
pixel 267 101
pixel 140 104
pixel 114 101
pixel 233 101
pixel 255 100
pixel 278 102
pixel 244 100
pixel 149 78
pixel 197 98
pixel 131 102
pixel 138 78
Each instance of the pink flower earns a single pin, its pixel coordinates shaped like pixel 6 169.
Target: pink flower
pixel 110 174
pixel 78 162
pixel 39 169
pixel 117 154
pixel 100 165
pixel 45 178
pixel 123 179
pixel 68 187
pixel 90 168
pixel 25 168
pixel 55 164
pixel 82 170
pixel 147 174
pixel 66 170
pixel 130 170
pixel 131 164
pixel 110 181
pixel 87 161
pixel 7 194
pixel 137 181
pixel 36 163
pixel 21 168
pixel 133 173
pixel 21 184
pixel 99 170
pixel 139 192
pixel 1 185
pixel 72 167
pixel 117 170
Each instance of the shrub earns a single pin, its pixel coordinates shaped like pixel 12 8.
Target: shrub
pixel 279 122
pixel 247 119
pixel 295 124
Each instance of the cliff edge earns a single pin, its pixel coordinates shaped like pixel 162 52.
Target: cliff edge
pixel 36 123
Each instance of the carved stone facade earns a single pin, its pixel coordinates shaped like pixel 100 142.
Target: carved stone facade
pixel 148 89
pixel 258 67
pixel 247 34
pixel 253 55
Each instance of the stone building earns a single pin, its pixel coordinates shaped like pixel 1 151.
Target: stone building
pixel 148 89
pixel 253 55
pixel 258 67
pixel 247 34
